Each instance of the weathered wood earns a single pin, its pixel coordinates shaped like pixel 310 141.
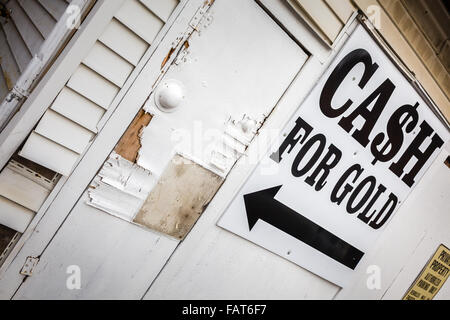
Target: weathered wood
pixel 161 8
pixel 393 35
pixel 17 45
pixel 342 8
pixel 30 113
pixel 130 143
pixel 322 16
pixel 179 198
pixel 22 190
pixel 3 85
pixel 28 31
pixel 117 259
pixel 10 68
pixel 39 16
pixel 55 7
pixel 121 187
pixel 14 216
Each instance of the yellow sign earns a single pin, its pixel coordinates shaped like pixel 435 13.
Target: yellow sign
pixel 432 277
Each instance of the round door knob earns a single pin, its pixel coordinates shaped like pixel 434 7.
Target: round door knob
pixel 169 95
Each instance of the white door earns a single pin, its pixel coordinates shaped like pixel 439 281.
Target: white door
pixel 236 65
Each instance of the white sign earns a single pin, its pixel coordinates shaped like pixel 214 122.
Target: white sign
pixel 347 160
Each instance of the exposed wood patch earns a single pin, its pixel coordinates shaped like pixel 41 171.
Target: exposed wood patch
pixel 130 143
pixel 179 198
pixel 167 57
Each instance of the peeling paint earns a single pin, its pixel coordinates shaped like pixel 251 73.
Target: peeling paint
pixel 120 187
pixel 130 143
pixel 179 198
pixel 171 51
pixel 236 138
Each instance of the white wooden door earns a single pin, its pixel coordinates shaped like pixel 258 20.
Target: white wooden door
pixel 237 65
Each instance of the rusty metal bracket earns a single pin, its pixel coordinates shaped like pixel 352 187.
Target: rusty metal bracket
pixel 28 266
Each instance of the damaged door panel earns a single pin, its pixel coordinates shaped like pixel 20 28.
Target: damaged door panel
pixel 179 198
pixel 83 111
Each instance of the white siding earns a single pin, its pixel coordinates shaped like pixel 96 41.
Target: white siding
pixel 94 85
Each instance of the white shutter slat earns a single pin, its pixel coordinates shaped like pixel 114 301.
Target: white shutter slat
pixel 124 42
pixel 49 154
pixel 64 131
pixel 91 85
pixel 161 8
pixel 11 71
pixel 322 16
pixel 77 108
pixel 140 20
pixel 22 190
pixel 108 64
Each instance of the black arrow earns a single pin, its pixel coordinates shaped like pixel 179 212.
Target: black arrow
pixel 262 205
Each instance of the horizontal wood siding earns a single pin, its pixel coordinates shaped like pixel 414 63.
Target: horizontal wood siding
pixel 421 25
pixel 22 35
pixel 72 121
pixel 396 33
pixel 326 17
pixel 408 17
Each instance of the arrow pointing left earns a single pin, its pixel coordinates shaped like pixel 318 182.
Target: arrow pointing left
pixel 262 205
